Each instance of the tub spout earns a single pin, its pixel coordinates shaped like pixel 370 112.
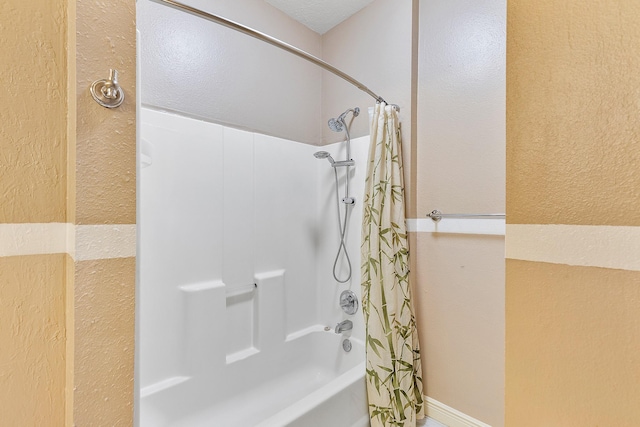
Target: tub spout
pixel 345 325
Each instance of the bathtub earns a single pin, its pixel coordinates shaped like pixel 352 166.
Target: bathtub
pixel 310 381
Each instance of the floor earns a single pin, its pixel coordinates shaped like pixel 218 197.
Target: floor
pixel 432 423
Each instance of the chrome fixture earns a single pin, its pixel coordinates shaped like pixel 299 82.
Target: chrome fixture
pixel 346 345
pixel 341 163
pixel 436 215
pixel 345 325
pixel 348 200
pixel 338 125
pixel 324 155
pixel 349 302
pixel 335 125
pixel 107 92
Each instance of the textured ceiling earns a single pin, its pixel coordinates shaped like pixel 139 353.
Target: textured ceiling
pixel 320 15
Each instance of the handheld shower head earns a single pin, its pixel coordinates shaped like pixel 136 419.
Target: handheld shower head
pixel 323 155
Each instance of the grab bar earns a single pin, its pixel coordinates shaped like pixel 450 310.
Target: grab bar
pixel 436 215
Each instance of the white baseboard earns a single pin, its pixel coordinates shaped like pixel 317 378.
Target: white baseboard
pixel 450 417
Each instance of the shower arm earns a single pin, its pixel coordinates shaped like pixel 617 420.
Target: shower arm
pixel 272 41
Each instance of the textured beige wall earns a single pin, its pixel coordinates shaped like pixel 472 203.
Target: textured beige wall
pixel 33 111
pixel 67 353
pixel 572 133
pixel 573 346
pixel 71 209
pixel 104 342
pixel 106 138
pixel 33 184
pixel 69 389
pixel 32 340
pixel 459 299
pixel 573 119
pixel 104 297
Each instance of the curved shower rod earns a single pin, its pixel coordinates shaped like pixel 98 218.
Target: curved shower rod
pixel 272 41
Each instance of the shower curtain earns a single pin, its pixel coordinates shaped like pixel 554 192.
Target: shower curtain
pixel 394 373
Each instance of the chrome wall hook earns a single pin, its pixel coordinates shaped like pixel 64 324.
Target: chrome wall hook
pixel 107 92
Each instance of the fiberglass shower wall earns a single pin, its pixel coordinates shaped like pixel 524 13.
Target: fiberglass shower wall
pixel 221 210
pixel 238 236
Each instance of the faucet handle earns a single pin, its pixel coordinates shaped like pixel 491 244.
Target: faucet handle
pixel 349 302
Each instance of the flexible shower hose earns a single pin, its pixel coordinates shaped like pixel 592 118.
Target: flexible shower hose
pixel 343 228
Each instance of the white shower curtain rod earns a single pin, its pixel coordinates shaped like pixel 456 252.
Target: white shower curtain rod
pixel 271 40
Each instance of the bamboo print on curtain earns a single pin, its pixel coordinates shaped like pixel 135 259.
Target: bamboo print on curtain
pixel 394 373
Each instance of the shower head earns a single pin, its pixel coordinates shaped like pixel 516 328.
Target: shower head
pixel 338 125
pixel 324 155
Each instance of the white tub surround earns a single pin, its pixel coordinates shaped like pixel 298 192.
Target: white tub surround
pixel 238 236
